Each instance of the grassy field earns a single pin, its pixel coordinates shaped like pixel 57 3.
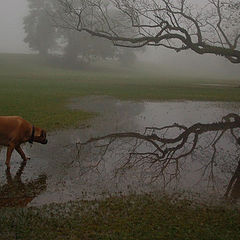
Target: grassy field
pixel 31 88
pixel 135 217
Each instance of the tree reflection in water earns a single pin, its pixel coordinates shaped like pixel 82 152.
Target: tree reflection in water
pixel 16 193
pixel 162 152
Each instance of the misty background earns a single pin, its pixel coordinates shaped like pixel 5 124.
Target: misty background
pixel 185 63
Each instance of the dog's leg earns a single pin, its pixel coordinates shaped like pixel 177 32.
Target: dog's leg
pixel 9 154
pixel 21 153
pixel 9 176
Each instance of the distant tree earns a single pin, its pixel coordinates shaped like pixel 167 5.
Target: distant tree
pixel 88 47
pixel 72 47
pixel 101 48
pixel 41 35
pixel 127 56
pixel 85 47
pixel 212 28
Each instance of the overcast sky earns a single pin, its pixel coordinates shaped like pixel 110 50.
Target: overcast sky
pixel 11 27
pixel 12 35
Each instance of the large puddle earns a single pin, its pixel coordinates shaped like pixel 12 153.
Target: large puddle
pixel 58 172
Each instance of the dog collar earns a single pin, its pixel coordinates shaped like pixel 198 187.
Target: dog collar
pixel 32 136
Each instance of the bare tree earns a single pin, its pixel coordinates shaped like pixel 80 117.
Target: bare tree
pixel 163 156
pixel 209 26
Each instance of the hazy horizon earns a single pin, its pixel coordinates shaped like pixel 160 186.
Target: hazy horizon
pixel 11 26
pixel 185 63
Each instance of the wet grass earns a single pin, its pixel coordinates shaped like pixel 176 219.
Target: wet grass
pixel 132 217
pixel 31 88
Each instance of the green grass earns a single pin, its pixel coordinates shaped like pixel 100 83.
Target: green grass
pixel 133 217
pixel 39 93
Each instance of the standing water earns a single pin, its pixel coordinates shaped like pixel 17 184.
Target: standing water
pixel 59 171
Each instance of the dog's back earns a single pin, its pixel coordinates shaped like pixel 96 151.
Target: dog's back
pixel 10 128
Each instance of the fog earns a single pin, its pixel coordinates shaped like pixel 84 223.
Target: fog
pixel 181 64
pixel 11 26
pixel 191 64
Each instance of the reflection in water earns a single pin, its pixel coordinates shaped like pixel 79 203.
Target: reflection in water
pixel 16 193
pixel 235 193
pixel 163 154
pixel 234 184
pixel 71 175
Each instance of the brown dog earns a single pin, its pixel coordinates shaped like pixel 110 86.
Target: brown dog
pixel 14 131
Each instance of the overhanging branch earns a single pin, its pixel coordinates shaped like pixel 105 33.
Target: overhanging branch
pixel 135 24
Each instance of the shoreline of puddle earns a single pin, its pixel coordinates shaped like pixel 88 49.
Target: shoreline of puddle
pixel 55 165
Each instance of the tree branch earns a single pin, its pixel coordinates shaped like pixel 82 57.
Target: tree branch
pixel 161 152
pixel 135 24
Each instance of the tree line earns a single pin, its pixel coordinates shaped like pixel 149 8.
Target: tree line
pixel 71 47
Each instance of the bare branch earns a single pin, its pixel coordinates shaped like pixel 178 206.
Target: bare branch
pixel 160 152
pixel 136 23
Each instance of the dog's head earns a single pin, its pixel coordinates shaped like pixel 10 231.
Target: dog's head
pixel 40 136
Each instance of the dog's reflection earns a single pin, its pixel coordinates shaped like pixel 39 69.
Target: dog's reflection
pixel 16 193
